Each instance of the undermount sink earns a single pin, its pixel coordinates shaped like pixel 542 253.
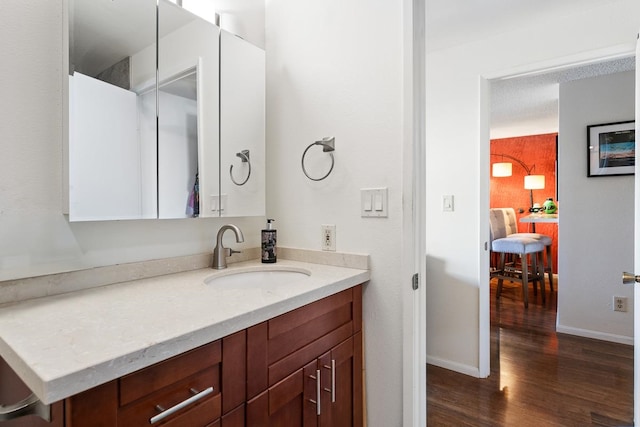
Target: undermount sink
pixel 261 278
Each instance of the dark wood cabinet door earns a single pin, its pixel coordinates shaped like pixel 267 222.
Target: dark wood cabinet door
pixel 342 359
pixel 234 418
pixel 290 402
pixel 234 372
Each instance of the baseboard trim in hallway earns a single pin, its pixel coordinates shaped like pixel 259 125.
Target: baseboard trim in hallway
pixel 587 333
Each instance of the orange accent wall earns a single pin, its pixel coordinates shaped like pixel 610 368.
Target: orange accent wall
pixel 509 192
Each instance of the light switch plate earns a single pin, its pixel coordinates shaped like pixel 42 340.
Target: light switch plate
pixel 374 202
pixel 447 203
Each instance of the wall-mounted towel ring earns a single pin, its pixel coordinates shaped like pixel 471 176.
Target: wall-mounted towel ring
pixel 328 145
pixel 244 155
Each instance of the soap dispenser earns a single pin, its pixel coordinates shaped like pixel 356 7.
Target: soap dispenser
pixel 269 243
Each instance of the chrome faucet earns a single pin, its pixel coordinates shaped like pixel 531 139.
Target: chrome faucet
pixel 220 253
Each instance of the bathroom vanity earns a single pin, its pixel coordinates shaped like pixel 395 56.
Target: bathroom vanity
pixel 193 348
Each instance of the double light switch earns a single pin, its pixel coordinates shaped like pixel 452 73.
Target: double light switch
pixel 374 202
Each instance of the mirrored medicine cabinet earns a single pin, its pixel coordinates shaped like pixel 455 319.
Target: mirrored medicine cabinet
pixel 166 115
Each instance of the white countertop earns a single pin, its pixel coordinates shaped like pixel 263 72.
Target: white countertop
pixel 65 344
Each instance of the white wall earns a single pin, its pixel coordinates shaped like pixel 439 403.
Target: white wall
pixel 596 230
pixel 458 162
pixel 334 68
pixel 35 238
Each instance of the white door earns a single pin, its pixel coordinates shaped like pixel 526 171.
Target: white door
pixel 636 251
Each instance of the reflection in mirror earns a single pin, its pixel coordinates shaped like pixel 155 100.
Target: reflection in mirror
pixel 111 51
pixel 178 146
pixel 242 121
pixel 188 116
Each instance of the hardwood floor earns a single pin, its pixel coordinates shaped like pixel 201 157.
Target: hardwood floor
pixel 538 377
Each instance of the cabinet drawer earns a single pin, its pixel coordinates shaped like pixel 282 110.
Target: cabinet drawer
pixel 138 384
pixel 295 329
pixel 200 412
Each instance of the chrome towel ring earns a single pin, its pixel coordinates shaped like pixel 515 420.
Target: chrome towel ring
pixel 328 146
pixel 244 155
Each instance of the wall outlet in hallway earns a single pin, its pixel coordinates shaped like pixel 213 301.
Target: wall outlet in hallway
pixel 619 303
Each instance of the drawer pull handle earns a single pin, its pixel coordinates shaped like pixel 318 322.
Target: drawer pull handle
pixel 317 401
pixel 29 406
pixel 165 413
pixel 333 380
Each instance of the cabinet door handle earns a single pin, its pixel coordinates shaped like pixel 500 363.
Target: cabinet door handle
pixel 333 380
pixel 317 401
pixel 165 413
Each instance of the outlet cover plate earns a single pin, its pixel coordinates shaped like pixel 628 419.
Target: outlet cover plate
pixel 620 304
pixel 328 237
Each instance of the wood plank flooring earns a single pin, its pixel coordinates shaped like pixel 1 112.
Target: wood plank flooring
pixel 538 377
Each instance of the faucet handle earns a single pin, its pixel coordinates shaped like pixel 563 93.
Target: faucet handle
pixel 231 252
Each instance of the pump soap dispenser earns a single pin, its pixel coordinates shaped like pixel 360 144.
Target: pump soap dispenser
pixel 269 243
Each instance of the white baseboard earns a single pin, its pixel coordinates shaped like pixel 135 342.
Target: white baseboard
pixel 472 371
pixel 587 333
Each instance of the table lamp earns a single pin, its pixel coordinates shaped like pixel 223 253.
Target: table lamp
pixel 533 182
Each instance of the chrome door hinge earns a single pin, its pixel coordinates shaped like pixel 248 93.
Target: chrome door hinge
pixel 414 282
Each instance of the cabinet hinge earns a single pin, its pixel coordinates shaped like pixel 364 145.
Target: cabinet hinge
pixel 414 282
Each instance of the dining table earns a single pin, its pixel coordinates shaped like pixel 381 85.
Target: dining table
pixel 539 218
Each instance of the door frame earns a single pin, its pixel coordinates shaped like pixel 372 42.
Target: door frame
pixel 414 355
pixel 636 260
pixel 536 68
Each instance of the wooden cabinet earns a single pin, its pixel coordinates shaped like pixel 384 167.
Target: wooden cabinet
pixel 303 368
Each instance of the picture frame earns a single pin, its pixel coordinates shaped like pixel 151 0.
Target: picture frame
pixel 611 149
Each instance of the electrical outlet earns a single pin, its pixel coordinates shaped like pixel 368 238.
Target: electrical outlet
pixel 619 303
pixel 328 237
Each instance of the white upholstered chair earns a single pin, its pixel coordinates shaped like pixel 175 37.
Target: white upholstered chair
pixel 506 240
pixel 508 217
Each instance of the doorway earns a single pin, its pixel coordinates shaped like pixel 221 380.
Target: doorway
pixel 574 181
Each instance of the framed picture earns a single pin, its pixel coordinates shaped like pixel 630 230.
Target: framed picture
pixel 611 149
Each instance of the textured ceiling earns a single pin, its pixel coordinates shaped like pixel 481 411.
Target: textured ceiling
pixel 529 105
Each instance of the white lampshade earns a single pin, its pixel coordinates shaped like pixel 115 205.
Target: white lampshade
pixel 534 182
pixel 501 169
